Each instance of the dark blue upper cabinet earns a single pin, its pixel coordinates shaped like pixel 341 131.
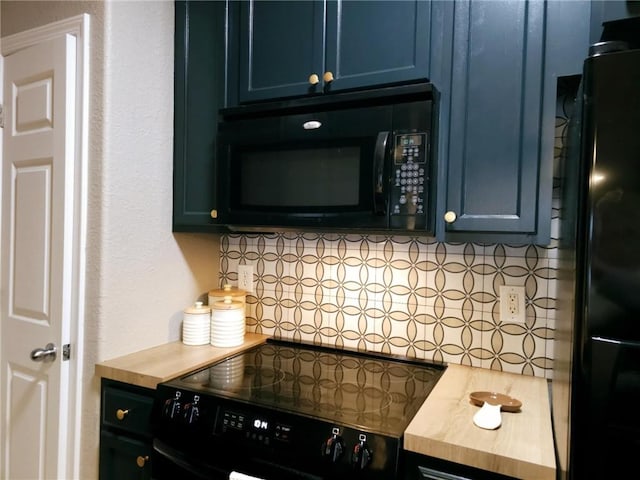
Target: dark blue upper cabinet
pixel 295 48
pixel 281 46
pixel 495 115
pixel 199 91
pixel 377 42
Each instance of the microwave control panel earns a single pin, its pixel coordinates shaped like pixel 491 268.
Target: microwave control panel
pixel 409 178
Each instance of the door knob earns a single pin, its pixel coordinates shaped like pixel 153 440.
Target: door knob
pixel 313 79
pixel 46 354
pixel 327 77
pixel 140 461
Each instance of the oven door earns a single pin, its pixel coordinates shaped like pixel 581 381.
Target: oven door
pixel 171 464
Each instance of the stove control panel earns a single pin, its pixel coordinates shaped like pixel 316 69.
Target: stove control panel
pixel 253 428
pixel 342 448
pixel 202 423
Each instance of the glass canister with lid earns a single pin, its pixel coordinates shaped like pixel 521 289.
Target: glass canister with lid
pixel 227 323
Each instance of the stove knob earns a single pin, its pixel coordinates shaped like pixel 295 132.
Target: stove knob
pixel 333 448
pixel 191 413
pixel 361 456
pixel 172 408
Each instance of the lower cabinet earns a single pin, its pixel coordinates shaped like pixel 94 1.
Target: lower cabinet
pixel 125 431
pixel 123 457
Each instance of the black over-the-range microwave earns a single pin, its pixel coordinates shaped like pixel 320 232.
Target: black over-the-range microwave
pixel 357 161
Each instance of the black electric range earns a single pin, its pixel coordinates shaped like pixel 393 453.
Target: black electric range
pixel 285 410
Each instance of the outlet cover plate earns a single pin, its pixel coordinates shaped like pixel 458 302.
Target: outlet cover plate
pixel 245 278
pixel 512 304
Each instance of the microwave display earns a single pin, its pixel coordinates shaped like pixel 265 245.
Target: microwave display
pixel 411 140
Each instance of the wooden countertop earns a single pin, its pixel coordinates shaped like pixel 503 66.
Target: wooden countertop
pixel 149 367
pixel 521 447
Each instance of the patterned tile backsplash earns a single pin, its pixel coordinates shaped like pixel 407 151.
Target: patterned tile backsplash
pixel 405 295
pixel 402 295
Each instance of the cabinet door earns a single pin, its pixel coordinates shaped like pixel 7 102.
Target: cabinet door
pixel 281 45
pixel 495 112
pixel 124 458
pixel 361 43
pixel 377 42
pixel 199 92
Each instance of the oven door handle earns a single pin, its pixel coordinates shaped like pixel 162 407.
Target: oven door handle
pixel 242 476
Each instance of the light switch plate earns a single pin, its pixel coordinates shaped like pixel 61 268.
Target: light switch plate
pixel 512 304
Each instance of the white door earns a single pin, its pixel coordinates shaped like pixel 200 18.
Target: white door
pixel 37 228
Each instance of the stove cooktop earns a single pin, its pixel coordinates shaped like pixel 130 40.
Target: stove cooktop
pixel 366 391
pixel 290 411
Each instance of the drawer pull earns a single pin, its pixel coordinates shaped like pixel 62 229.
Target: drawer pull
pixel 140 461
pixel 327 77
pixel 313 79
pixel 120 414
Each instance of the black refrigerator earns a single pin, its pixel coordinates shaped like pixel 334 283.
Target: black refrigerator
pixel 596 384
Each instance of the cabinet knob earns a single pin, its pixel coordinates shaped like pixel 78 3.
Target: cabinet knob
pixel 313 79
pixel 327 77
pixel 140 461
pixel 120 414
pixel 214 213
pixel 450 217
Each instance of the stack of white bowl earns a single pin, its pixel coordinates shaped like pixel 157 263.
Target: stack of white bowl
pixel 196 325
pixel 227 323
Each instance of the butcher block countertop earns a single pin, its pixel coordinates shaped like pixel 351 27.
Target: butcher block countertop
pixel 522 447
pixel 149 367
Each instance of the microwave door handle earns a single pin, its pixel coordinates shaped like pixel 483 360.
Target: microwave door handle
pixel 379 155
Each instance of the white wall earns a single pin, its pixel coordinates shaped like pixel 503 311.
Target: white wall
pixel 140 276
pixel 147 275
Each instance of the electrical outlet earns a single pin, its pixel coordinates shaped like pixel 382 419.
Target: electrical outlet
pixel 245 278
pixel 512 307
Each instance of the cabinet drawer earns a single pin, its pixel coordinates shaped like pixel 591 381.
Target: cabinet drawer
pixel 123 458
pixel 126 410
